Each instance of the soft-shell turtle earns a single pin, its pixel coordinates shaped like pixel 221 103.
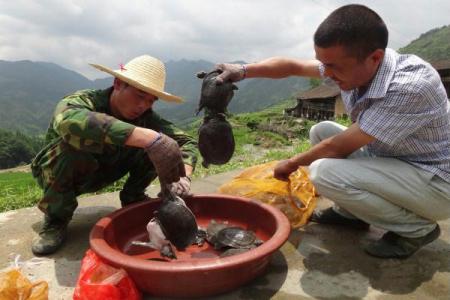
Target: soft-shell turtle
pixel 173 223
pixel 215 140
pixel 177 221
pixel 215 96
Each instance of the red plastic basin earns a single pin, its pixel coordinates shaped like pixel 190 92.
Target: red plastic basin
pixel 198 271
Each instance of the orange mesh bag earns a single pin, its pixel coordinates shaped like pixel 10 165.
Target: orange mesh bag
pixel 296 198
pixel 14 285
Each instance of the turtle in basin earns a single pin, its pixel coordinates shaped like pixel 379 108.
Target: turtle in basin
pixel 177 221
pixel 173 224
pixel 232 239
pixel 213 96
pixel 236 237
pixel 215 140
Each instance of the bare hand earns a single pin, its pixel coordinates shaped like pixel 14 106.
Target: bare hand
pixel 230 72
pixel 283 169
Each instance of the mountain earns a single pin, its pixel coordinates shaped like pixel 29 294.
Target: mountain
pixel 432 46
pixel 30 90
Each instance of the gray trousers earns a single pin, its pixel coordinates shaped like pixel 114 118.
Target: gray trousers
pixel 385 192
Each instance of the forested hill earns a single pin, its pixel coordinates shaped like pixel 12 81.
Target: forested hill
pixel 29 91
pixel 432 46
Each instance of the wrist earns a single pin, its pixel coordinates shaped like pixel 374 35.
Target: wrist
pixel 243 72
pixel 152 143
pixel 292 163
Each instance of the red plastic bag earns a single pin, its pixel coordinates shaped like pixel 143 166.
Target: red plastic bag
pixel 100 281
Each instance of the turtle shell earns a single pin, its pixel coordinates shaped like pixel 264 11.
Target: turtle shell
pixel 215 140
pixel 177 222
pixel 212 230
pixel 213 96
pixel 235 237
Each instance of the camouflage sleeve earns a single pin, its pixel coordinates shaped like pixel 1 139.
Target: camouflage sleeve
pixel 187 143
pixel 79 125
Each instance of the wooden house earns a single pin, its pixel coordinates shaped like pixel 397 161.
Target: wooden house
pixel 443 68
pixel 323 102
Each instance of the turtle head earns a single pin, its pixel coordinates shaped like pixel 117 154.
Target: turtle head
pixel 158 241
pixel 201 74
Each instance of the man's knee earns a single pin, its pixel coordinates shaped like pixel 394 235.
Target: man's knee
pixel 67 170
pixel 323 172
pixel 321 131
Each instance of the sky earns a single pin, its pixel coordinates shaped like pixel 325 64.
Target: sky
pixel 75 33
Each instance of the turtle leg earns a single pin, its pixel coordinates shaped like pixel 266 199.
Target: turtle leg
pixel 167 251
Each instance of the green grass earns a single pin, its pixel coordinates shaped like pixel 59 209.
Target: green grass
pixel 260 137
pixel 17 190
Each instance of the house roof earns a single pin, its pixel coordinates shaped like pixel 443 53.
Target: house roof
pixel 441 64
pixel 320 92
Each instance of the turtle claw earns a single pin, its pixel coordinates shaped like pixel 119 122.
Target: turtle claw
pixel 201 74
pixel 167 251
pixel 201 237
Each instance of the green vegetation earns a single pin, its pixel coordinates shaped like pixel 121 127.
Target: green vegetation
pixel 432 46
pixel 260 137
pixel 17 190
pixel 17 148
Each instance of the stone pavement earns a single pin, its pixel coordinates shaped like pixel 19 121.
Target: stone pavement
pixel 317 262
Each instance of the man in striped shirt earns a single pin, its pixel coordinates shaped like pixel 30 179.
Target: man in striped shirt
pixel 391 167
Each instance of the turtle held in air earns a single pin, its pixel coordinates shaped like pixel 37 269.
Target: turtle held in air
pixel 214 96
pixel 173 224
pixel 215 140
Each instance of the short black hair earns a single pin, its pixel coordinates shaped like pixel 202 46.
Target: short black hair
pixel 356 27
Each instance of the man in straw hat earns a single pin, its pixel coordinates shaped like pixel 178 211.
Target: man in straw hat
pixel 391 167
pixel 97 136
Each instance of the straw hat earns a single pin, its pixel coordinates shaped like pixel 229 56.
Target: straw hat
pixel 145 73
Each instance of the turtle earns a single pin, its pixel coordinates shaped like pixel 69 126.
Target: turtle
pixel 236 237
pixel 214 96
pixel 215 140
pixel 177 221
pixel 232 239
pixel 173 224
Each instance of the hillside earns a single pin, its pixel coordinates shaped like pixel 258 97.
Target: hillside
pixel 29 91
pixel 432 46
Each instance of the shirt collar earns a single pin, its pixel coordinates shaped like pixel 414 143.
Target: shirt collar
pixel 380 83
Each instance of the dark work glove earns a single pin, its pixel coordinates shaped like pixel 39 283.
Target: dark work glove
pixel 166 157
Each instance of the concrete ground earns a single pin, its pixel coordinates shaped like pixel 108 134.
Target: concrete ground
pixel 317 262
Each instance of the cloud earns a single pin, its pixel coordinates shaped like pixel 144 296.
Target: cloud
pixel 74 33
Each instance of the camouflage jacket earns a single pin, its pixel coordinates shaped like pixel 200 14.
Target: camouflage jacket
pixel 83 120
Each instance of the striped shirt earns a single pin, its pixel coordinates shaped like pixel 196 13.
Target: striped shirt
pixel 407 111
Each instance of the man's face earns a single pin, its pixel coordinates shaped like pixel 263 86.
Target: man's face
pixel 347 71
pixel 128 102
